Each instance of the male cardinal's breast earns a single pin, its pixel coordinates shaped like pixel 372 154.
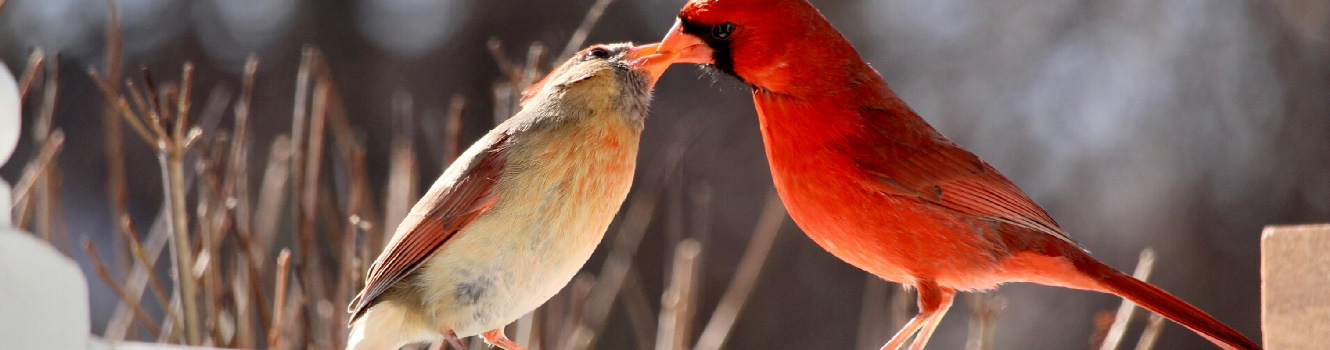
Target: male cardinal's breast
pixel 837 202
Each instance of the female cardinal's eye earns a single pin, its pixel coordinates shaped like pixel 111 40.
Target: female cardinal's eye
pixel 722 31
pixel 598 53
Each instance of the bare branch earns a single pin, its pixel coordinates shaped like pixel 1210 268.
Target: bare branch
pixel 579 36
pixel 403 176
pixel 279 307
pixel 118 326
pixel 272 195
pixel 117 190
pixel 141 256
pixel 638 307
pixel 1143 267
pixel 984 309
pixel 745 276
pixel 119 291
pixel 677 304
pixel 36 64
pixel 1153 327
pixel 32 173
pixel 873 321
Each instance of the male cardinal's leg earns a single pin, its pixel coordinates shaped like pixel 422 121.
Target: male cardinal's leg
pixel 451 337
pixel 905 332
pixel 931 298
pixel 496 338
pixel 948 295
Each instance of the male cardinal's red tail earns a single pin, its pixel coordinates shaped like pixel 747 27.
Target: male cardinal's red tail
pixel 1167 305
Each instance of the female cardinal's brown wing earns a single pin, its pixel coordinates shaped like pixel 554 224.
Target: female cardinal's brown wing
pixel 437 217
pixel 942 173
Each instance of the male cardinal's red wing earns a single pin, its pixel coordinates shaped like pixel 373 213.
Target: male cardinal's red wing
pixel 944 174
pixel 438 216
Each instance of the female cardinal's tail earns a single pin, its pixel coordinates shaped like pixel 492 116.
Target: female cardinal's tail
pixel 1167 305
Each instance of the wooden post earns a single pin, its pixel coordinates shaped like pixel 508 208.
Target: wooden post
pixel 1295 286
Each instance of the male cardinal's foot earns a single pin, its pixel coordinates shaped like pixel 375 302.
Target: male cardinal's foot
pixel 452 339
pixel 496 338
pixel 934 301
pixel 931 325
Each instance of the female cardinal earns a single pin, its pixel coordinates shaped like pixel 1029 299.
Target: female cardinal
pixel 513 218
pixel 875 185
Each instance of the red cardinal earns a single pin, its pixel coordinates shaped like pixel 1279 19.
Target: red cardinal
pixel 874 184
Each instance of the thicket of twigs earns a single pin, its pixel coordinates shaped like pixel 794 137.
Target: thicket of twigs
pixel 242 286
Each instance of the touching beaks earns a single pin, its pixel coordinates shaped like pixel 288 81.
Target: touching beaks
pixel 676 47
pixel 646 58
pixel 685 48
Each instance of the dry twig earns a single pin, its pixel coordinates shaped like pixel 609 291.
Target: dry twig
pixel 678 303
pixel 1143 267
pixel 579 36
pixel 404 175
pixel 36 64
pixel 32 174
pixel 116 185
pixel 118 326
pixel 308 262
pixel 745 276
pixel 1153 327
pixel 349 271
pixel 166 114
pixel 579 292
pixel 279 307
pixel 238 206
pixel 50 89
pixel 141 256
pixel 50 221
pixel 100 265
pixel 874 327
pixel 638 307
pixel 456 106
pixel 272 195
pixel 984 309
pixel 171 155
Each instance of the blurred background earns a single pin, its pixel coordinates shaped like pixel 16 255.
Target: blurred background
pixel 1182 125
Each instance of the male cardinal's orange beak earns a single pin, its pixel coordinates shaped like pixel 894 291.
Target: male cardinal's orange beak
pixel 684 48
pixel 645 58
pixel 677 47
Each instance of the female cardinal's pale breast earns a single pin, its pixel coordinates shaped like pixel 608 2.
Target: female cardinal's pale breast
pixel 563 185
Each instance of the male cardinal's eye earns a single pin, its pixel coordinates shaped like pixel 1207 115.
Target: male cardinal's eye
pixel 598 53
pixel 722 31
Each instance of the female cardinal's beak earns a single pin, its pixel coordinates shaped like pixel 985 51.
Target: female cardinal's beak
pixel 645 58
pixel 685 48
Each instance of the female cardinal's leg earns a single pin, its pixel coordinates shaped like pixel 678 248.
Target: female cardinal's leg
pixel 930 325
pixel 452 339
pixel 933 301
pixel 496 338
